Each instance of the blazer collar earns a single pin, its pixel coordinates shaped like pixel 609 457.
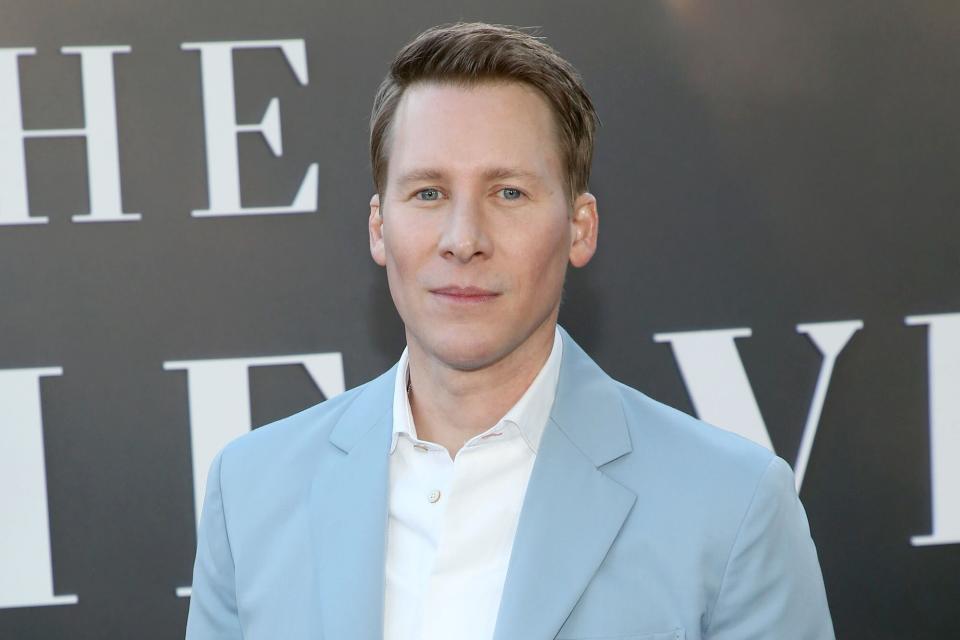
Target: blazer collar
pixel 366 411
pixel 588 408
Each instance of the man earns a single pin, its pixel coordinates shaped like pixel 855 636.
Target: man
pixel 495 483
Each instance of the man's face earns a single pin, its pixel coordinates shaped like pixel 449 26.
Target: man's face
pixel 475 228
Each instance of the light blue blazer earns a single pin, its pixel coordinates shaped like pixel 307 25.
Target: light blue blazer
pixel 639 523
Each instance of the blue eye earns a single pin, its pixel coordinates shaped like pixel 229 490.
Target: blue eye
pixel 510 193
pixel 428 194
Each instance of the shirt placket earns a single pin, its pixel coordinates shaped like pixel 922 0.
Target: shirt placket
pixel 433 472
pixel 446 612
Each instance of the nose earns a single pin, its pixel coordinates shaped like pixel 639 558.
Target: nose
pixel 465 233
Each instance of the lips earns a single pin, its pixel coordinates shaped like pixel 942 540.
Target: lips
pixel 464 294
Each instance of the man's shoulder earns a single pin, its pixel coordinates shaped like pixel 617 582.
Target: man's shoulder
pixel 305 433
pixel 658 422
pixel 697 480
pixel 667 446
pixel 693 454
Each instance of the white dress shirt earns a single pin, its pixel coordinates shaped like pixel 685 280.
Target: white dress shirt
pixel 452 521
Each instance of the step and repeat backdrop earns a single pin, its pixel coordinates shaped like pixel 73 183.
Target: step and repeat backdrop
pixel 184 257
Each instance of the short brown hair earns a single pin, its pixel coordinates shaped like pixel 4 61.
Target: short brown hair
pixel 475 52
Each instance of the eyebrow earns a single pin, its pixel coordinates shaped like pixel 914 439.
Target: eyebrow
pixel 420 175
pixel 490 173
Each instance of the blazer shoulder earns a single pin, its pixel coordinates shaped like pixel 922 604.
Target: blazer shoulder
pixel 698 479
pixel 724 511
pixel 678 441
pixel 287 438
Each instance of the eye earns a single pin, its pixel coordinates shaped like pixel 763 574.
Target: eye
pixel 509 193
pixel 428 195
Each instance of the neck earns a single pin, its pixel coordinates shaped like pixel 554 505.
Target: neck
pixel 450 405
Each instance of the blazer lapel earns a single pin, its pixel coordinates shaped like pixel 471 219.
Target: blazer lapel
pixel 572 511
pixel 348 503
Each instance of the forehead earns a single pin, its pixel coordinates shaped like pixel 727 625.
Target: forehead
pixel 460 127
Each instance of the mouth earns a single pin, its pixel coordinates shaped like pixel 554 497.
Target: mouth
pixel 464 295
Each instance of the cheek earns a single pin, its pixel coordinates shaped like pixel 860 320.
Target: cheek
pixel 409 247
pixel 544 256
pixel 402 245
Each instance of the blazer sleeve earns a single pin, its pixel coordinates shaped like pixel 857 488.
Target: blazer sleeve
pixel 213 600
pixel 772 586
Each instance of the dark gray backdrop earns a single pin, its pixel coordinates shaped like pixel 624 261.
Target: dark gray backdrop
pixel 759 165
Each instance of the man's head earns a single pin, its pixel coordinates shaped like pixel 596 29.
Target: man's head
pixel 481 143
pixel 471 53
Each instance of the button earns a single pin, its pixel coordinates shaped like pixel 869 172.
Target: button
pixel 422 447
pixel 434 495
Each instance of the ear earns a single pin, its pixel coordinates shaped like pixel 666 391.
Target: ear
pixel 375 226
pixel 584 226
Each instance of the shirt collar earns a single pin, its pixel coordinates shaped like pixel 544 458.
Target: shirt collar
pixel 529 415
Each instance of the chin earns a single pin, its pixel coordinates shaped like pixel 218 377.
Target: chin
pixel 466 349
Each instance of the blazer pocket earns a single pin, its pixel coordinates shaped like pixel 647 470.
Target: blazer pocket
pixel 676 634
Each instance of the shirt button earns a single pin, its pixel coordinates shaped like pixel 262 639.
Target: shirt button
pixel 434 496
